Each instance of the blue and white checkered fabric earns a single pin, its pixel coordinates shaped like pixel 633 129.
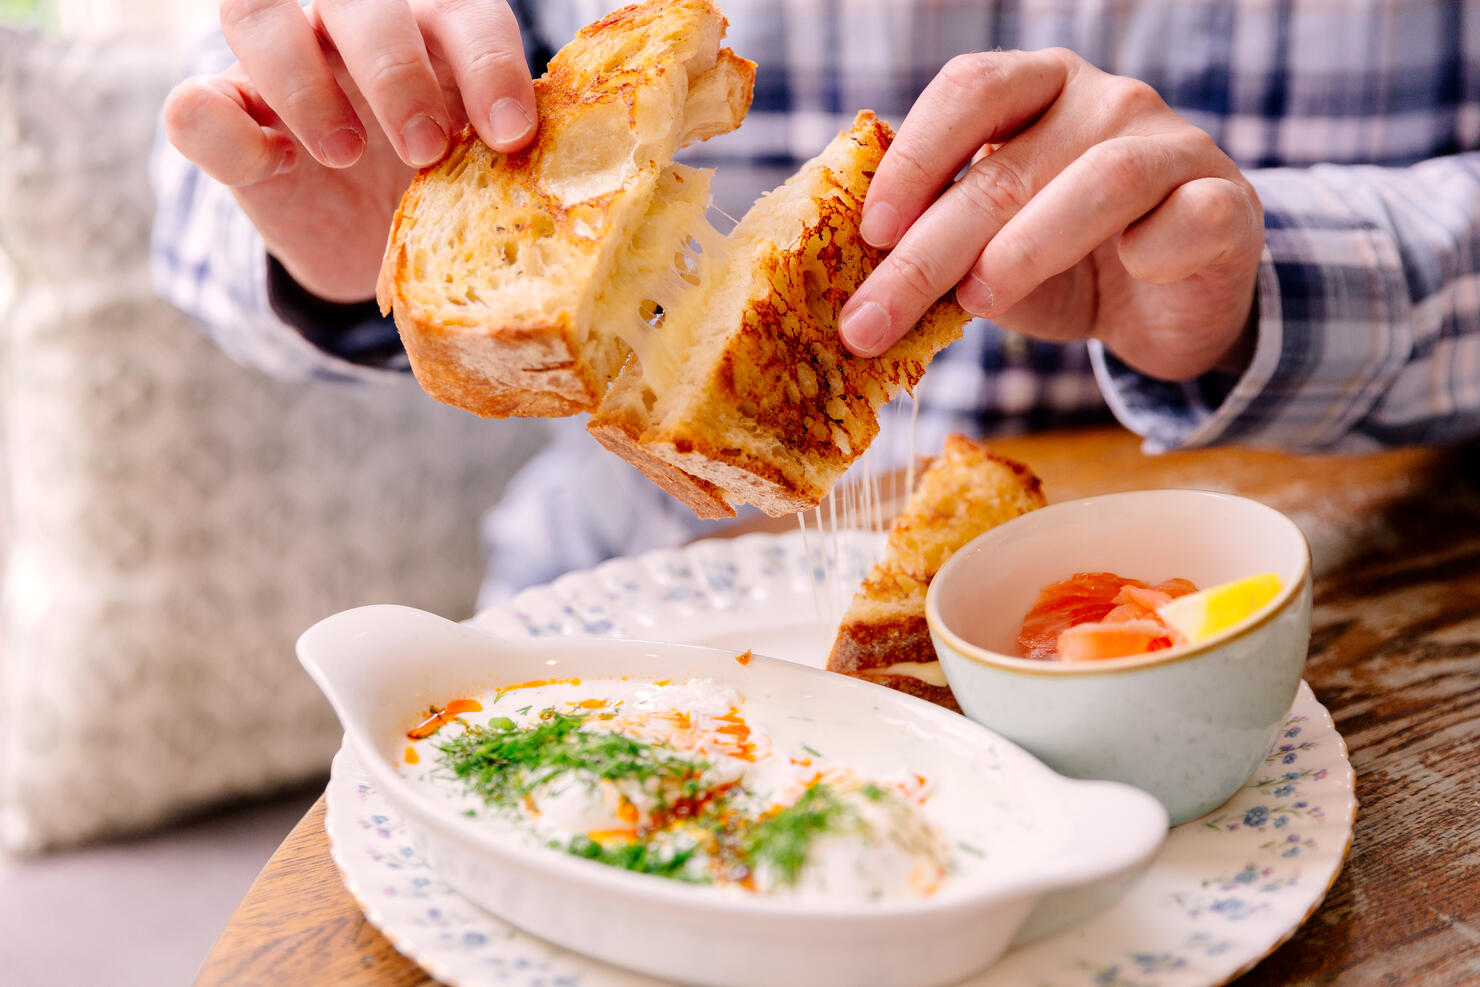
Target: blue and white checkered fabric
pixel 1357 120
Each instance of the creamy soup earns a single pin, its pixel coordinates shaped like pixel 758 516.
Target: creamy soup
pixel 685 780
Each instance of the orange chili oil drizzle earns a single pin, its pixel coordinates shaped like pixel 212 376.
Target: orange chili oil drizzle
pixel 441 717
pixel 689 806
pixel 736 727
pixel 536 683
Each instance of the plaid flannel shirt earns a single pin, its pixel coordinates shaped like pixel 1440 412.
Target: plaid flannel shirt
pixel 1356 120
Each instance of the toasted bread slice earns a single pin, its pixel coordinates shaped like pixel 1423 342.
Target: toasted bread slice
pixel 747 392
pixel 883 637
pixel 495 262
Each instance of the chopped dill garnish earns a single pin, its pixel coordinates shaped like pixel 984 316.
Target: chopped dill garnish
pixel 814 752
pixel 644 858
pixel 503 762
pixel 699 829
pixel 975 851
pixel 524 710
pixel 783 839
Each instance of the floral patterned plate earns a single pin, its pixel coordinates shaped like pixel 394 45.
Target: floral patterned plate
pixel 1225 890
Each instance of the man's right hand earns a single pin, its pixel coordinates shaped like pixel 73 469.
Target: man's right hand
pixel 330 109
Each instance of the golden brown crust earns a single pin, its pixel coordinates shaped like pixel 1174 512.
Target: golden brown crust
pixel 703 498
pixel 438 360
pixel 867 646
pixel 941 695
pixel 964 491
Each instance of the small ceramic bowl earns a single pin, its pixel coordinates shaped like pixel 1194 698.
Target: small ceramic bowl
pixel 1037 838
pixel 1189 724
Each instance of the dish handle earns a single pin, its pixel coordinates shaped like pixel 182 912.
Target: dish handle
pixel 368 660
pixel 1115 832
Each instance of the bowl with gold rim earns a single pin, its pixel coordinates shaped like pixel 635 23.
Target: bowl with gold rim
pixel 1188 723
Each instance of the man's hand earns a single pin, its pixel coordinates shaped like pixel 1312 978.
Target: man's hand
pixel 330 109
pixel 1089 211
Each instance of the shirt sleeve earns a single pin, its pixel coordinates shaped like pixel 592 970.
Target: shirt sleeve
pixel 1368 319
pixel 573 505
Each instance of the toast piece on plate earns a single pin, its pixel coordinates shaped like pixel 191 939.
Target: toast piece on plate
pixel 495 262
pixel 744 392
pixel 883 636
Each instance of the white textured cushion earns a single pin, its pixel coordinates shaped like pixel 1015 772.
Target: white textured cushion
pixel 172 521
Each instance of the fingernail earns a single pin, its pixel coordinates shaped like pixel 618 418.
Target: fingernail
pixel 866 328
pixel 425 140
pixel 342 148
pixel 880 224
pixel 509 121
pixel 981 300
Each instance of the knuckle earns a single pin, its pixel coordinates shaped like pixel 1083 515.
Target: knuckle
pixel 238 15
pixel 1071 59
pixel 994 189
pixel 1014 249
pixel 972 73
pixel 1127 99
pixel 1214 209
pixel 301 101
pixel 1200 144
pixel 915 274
pixel 495 62
pixel 393 71
pixel 907 157
pixel 1118 167
pixel 454 8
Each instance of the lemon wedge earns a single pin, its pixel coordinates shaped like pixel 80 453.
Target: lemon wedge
pixel 1200 615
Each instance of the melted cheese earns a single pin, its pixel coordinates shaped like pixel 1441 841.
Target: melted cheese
pixel 928 672
pixel 671 259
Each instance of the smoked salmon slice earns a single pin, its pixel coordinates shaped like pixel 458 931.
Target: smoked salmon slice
pixel 1098 606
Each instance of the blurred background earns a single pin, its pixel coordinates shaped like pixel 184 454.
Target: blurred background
pixel 169 523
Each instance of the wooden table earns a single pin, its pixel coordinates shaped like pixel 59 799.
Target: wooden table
pixel 1395 657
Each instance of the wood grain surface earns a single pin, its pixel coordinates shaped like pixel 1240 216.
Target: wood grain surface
pixel 1395 657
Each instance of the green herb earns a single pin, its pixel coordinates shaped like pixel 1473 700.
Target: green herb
pixel 524 711
pixel 975 851
pixel 783 840
pixel 809 750
pixel 503 763
pixel 644 858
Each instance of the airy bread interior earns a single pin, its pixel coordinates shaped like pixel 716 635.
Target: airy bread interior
pixel 749 390
pixel 495 262
pixel 965 491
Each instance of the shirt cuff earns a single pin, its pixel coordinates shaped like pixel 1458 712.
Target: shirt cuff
pixel 355 333
pixel 1335 328
pixel 1186 414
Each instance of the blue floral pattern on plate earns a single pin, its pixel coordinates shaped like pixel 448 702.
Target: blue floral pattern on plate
pixel 1222 894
